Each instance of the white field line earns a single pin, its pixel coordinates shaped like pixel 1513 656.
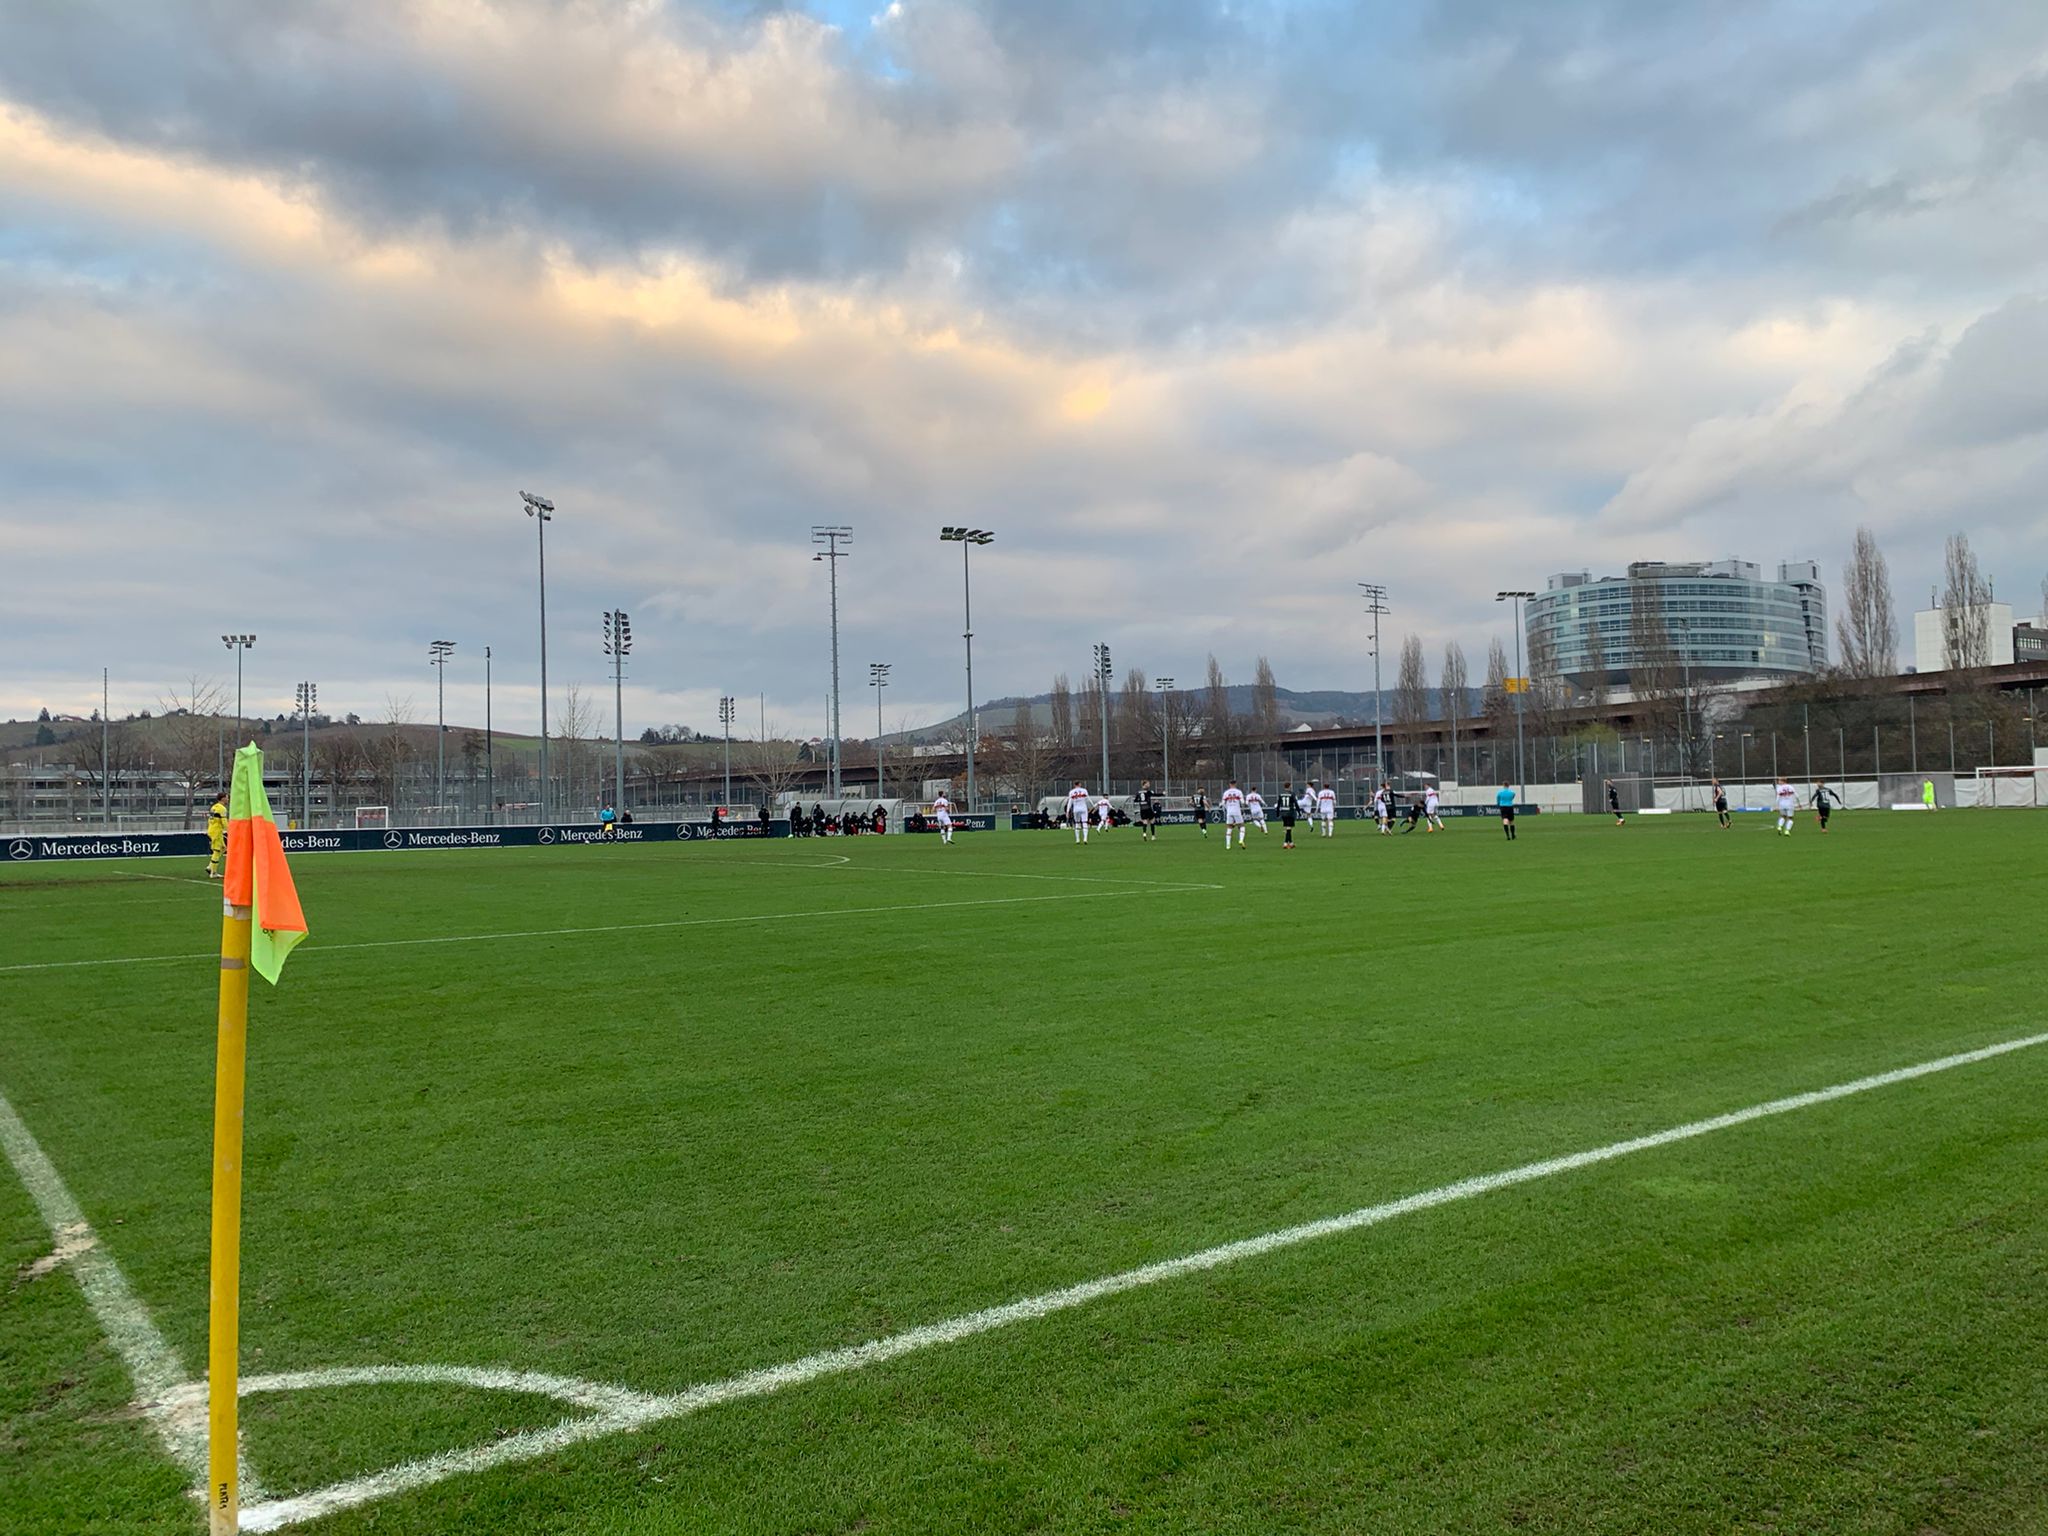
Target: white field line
pixel 552 933
pixel 629 1416
pixel 174 1405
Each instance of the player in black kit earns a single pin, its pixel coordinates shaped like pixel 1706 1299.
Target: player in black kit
pixel 1148 812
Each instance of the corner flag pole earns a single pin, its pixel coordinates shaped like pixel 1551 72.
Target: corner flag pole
pixel 223 1366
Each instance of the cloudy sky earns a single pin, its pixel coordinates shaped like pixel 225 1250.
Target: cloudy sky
pixel 1209 310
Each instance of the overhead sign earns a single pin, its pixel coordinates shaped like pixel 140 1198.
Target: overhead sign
pixel 1514 685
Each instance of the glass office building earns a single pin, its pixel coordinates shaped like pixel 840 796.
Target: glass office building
pixel 1723 621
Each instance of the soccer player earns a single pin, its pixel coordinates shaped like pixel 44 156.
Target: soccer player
pixel 1148 812
pixel 1927 795
pixel 1102 817
pixel 942 813
pixel 1823 802
pixel 1233 814
pixel 1326 810
pixel 1788 807
pixel 1721 805
pixel 1290 807
pixel 1432 809
pixel 1077 811
pixel 1506 801
pixel 216 835
pixel 1382 812
pixel 1255 809
pixel 1614 802
pixel 1202 812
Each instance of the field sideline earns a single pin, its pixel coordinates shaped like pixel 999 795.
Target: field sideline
pixel 663 1118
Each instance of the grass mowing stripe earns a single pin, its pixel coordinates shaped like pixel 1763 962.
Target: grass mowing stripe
pixel 512 1449
pixel 674 922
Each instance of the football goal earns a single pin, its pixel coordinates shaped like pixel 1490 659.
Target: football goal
pixel 373 816
pixel 2014 786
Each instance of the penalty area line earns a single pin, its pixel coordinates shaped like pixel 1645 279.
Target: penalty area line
pixel 627 1416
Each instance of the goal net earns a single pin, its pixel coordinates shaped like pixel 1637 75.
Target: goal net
pixel 2012 786
pixel 373 816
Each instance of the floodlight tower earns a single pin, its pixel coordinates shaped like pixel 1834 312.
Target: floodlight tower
pixel 967 538
pixel 438 652
pixel 1376 605
pixel 1521 683
pixel 829 536
pixel 726 706
pixel 1102 675
pixel 1165 687
pixel 308 695
pixel 542 511
pixel 878 679
pixel 238 644
pixel 618 643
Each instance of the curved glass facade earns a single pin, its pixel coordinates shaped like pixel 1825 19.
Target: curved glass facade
pixel 1722 621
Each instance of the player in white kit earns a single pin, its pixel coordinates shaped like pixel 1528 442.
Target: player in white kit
pixel 1255 808
pixel 1788 807
pixel 1326 810
pixel 1432 809
pixel 942 813
pixel 1233 815
pixel 1102 813
pixel 1077 811
pixel 1381 812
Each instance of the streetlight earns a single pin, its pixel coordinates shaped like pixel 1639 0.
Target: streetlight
pixel 1521 683
pixel 830 536
pixel 1102 676
pixel 1165 687
pixel 237 644
pixel 966 538
pixel 542 511
pixel 1742 749
pixel 308 696
pixel 490 778
pixel 1376 604
pixel 438 652
pixel 618 643
pixel 726 705
pixel 878 679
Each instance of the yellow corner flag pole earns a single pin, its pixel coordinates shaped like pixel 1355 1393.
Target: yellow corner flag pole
pixel 223 1365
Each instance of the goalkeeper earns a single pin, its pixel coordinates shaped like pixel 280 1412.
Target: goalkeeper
pixel 216 835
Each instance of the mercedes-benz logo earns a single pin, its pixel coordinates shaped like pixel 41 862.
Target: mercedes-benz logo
pixel 547 834
pixel 394 839
pixel 21 848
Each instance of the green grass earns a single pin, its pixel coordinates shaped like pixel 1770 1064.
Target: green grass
pixel 942 1078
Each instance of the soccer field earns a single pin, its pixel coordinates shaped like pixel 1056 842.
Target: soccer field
pixel 655 1121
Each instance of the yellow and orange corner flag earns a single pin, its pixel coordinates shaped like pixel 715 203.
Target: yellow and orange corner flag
pixel 257 875
pixel 260 923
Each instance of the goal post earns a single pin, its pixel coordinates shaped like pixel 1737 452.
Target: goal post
pixel 372 816
pixel 2012 787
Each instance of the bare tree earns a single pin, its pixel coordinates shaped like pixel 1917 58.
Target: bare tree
pixel 390 751
pixel 1865 629
pixel 1265 702
pixel 575 720
pixel 1454 696
pixel 1411 688
pixel 1494 700
pixel 1030 757
pixel 121 757
pixel 1965 608
pixel 1596 663
pixel 1654 673
pixel 1137 726
pixel 772 765
pixel 1060 728
pixel 1219 726
pixel 191 742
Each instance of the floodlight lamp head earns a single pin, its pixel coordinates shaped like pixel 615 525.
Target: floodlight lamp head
pixel 980 536
pixel 537 506
pixel 952 535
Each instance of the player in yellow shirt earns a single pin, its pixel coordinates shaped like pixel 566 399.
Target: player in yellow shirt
pixel 216 836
